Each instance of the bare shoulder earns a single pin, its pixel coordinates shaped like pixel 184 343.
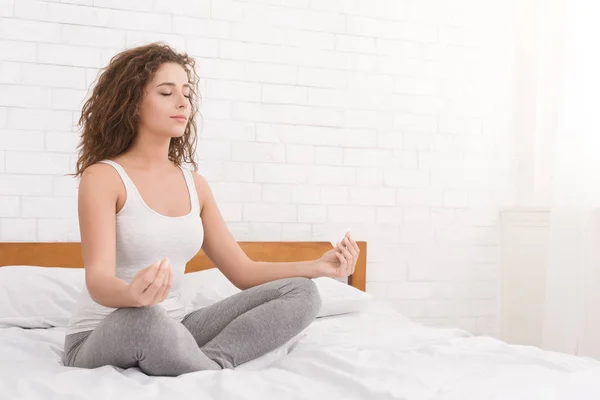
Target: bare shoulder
pixel 101 180
pixel 101 174
pixel 199 179
pixel 202 188
pixel 96 168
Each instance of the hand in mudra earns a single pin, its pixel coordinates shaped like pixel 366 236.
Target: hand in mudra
pixel 151 285
pixel 341 261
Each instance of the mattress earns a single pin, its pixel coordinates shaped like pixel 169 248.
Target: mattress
pixel 376 353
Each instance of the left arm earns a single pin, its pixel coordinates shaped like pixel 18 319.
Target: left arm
pixel 223 250
pixel 265 271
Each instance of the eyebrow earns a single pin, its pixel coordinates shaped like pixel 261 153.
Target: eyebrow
pixel 171 84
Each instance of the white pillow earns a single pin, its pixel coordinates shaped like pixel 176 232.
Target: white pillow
pixel 38 297
pixel 203 288
pixel 339 297
pixel 44 297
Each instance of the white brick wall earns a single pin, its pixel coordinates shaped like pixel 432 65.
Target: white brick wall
pixel 389 117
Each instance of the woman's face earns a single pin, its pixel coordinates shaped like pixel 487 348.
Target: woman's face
pixel 165 108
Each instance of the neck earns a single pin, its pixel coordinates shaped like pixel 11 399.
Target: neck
pixel 150 151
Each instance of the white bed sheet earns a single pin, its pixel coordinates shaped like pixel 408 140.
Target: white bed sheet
pixel 374 354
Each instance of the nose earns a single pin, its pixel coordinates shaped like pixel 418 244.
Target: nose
pixel 182 101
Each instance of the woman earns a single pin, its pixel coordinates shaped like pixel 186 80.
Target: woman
pixel 143 216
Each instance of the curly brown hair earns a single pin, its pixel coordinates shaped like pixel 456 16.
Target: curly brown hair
pixel 109 117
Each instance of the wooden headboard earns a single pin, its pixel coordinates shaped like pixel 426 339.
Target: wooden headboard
pixel 69 255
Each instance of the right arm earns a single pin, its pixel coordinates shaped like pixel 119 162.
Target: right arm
pixel 97 199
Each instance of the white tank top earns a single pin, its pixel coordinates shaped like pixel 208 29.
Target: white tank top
pixel 143 237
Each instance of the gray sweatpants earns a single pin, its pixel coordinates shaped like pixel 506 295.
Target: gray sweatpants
pixel 226 334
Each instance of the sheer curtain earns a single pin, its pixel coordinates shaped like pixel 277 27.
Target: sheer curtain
pixel 570 129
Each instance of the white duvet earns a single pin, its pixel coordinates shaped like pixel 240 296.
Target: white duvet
pixel 373 354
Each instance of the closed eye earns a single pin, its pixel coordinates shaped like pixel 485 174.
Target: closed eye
pixel 168 94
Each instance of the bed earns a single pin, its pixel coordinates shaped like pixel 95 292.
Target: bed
pixel 362 348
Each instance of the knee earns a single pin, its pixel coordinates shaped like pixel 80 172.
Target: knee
pixel 141 317
pixel 152 311
pixel 308 295
pixel 148 327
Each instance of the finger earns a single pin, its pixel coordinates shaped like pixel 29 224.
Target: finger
pixel 339 270
pixel 345 256
pixel 170 279
pixel 356 256
pixel 154 293
pixel 348 250
pixel 150 270
pixel 165 288
pixel 150 294
pixel 355 245
pixel 163 275
pixel 342 244
pixel 149 273
pixel 168 283
pixel 342 239
pixel 346 266
pixel 144 278
pixel 170 274
pixel 349 257
pixel 164 280
pixel 351 249
pixel 346 253
pixel 346 236
pixel 354 259
pixel 158 270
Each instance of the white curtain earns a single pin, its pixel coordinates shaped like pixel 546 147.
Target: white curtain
pixel 569 133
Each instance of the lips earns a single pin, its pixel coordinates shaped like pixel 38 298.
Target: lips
pixel 179 118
